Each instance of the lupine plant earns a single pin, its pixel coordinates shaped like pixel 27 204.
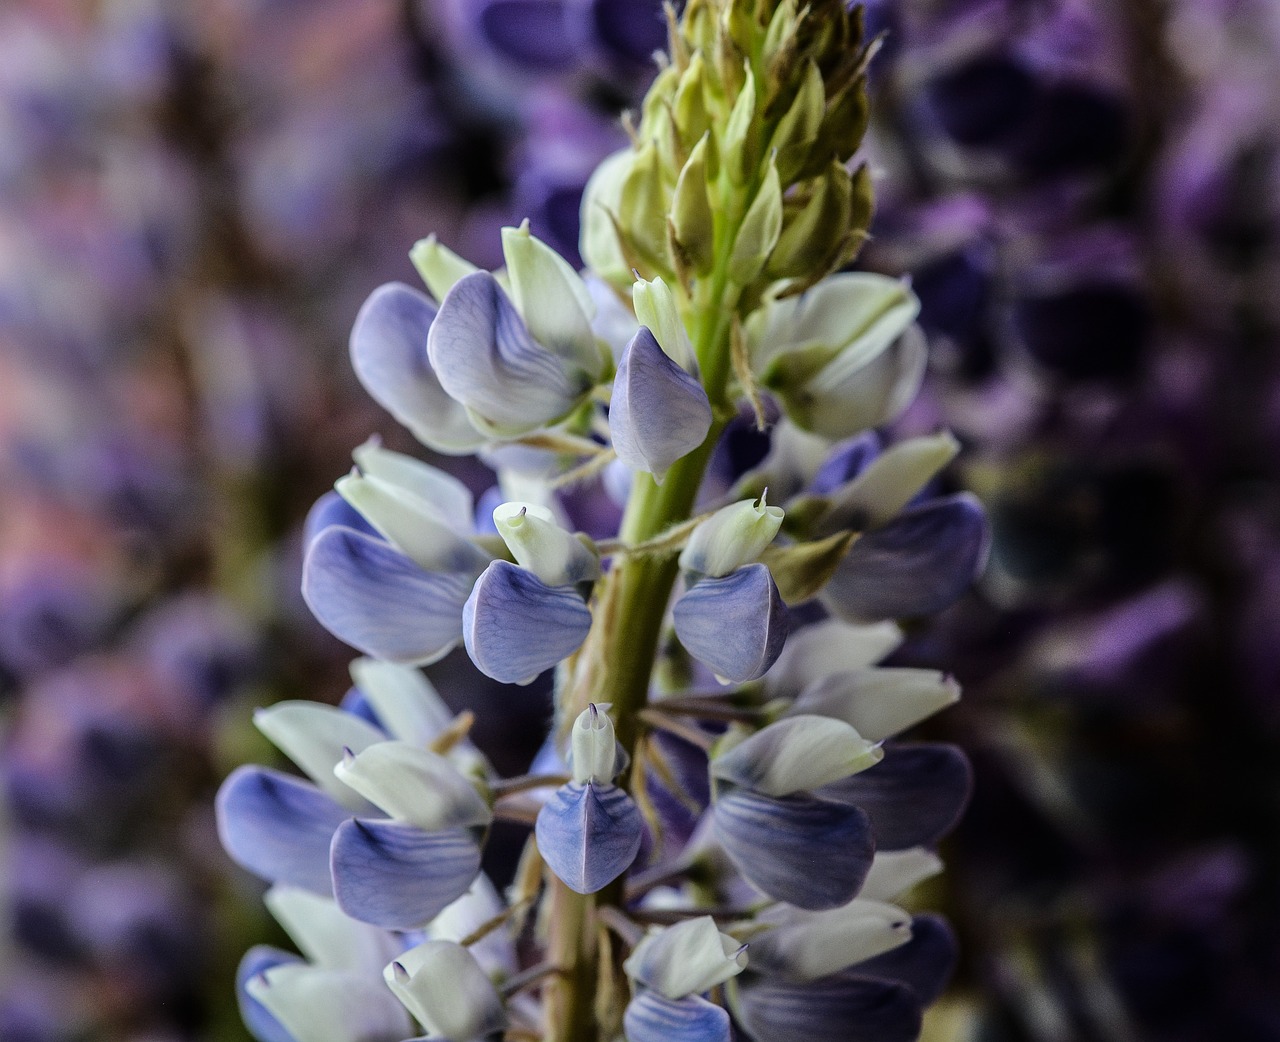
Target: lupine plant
pixel 721 820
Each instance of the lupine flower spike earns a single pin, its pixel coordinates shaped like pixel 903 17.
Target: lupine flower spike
pixel 714 750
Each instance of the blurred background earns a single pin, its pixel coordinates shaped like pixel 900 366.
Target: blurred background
pixel 196 196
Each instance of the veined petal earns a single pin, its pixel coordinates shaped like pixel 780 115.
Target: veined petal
pixel 689 958
pixel 833 1010
pixel 327 937
pixel 659 413
pixel 411 524
pixel 879 703
pixel 799 752
pixel 403 698
pixel 589 834
pixel 916 565
pixel 317 1005
pixel 414 785
pixel 257 1018
pixel 830 646
pixel 515 626
pixel 651 1017
pixel 389 354
pixel 894 872
pixel 395 875
pixel 313 736
pixel 804 946
pixel 736 625
pixel 377 600
pixel 278 827
pixel 449 499
pixel 925 963
pixel 809 852
pixel 486 358
pixel 442 985
pixel 914 797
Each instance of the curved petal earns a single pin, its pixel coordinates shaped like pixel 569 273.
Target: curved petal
pixel 328 938
pixel 402 699
pixel 658 413
pixel 830 646
pixel 916 565
pixel 257 1018
pixel 377 600
pixel 736 625
pixel 329 510
pixel 809 852
pixel 389 355
pixel 414 785
pixel 806 946
pixel 313 736
pixel 689 958
pixel 443 985
pixel 925 963
pixel 278 827
pixel 836 1009
pixel 317 1005
pixel 914 796
pixel 533 33
pixel 395 875
pixel 879 703
pixel 486 358
pixel 651 1017
pixel 515 626
pixel 845 462
pixel 798 752
pixel 589 834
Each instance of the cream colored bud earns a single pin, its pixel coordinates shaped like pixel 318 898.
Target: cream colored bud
pixel 759 232
pixel 656 308
pixel 731 537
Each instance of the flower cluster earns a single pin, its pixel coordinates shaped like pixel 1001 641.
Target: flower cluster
pixel 722 814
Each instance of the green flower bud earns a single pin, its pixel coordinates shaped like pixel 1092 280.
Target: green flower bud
pixel 844 124
pixel 812 235
pixel 731 537
pixel 740 151
pixel 594 749
pixel 759 232
pixel 690 106
pixel 798 130
pixel 656 308
pixel 642 210
pixel 438 265
pixel 598 242
pixel 691 210
pixel 537 543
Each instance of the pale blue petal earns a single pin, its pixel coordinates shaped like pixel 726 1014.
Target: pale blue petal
pixel 370 595
pixel 914 796
pixel 808 852
pixel 917 564
pixel 261 1024
pixel 651 1017
pixel 395 875
pixel 589 834
pixel 278 827
pixel 925 963
pixel 835 1009
pixel 846 461
pixel 329 510
pixel 389 354
pixel 658 413
pixel 486 358
pixel 736 625
pixel 515 626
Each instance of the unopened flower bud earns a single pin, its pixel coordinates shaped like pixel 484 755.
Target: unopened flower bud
pixel 795 754
pixel 731 537
pixel 798 129
pixel 414 785
pixel 593 746
pixel 760 230
pixel 686 959
pixel 656 308
pixel 691 209
pixel 739 151
pixel 443 986
pixel 811 235
pixel 539 544
pixel 736 625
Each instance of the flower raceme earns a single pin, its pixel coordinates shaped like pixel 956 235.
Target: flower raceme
pixel 713 748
